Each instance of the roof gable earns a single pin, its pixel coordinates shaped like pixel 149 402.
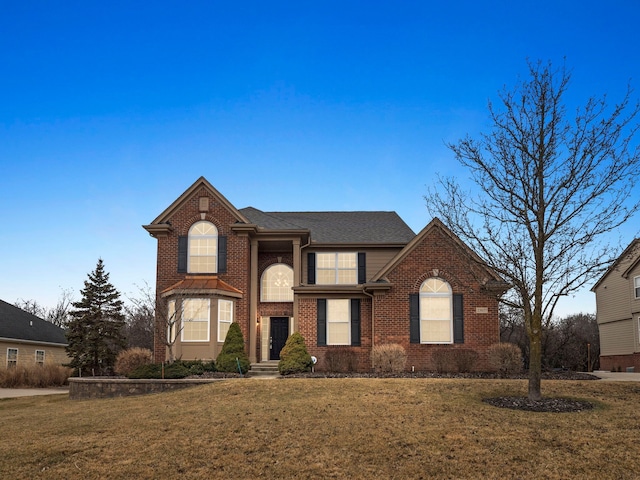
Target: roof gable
pixel 436 223
pixel 633 249
pixel 17 324
pixel 200 183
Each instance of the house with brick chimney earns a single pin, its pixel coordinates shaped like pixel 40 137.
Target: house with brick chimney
pixel 348 280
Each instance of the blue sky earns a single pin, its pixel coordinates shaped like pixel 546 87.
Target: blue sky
pixel 110 110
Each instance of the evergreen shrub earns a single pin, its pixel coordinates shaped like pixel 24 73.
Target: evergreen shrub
pixel 294 357
pixel 233 349
pixel 388 358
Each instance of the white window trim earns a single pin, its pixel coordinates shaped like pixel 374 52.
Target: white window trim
pixel 190 255
pixel 636 287
pixel 172 325
pixel 208 321
pixel 449 294
pixel 336 269
pixel 220 321
pixel 43 357
pixel 16 360
pixel 348 322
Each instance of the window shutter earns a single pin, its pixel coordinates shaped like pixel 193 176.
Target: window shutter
pixel 458 319
pixel 362 268
pixel 311 268
pixel 322 322
pixel 222 254
pixel 183 241
pixel 355 322
pixel 414 318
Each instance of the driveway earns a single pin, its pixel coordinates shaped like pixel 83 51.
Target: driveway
pixel 30 392
pixel 617 376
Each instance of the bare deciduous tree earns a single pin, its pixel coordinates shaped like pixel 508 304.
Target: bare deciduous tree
pixel 58 315
pixel 550 187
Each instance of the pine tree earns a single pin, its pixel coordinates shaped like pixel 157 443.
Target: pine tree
pixel 233 352
pixel 95 332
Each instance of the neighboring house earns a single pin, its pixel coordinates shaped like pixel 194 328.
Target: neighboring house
pixel 342 279
pixel 618 311
pixel 29 340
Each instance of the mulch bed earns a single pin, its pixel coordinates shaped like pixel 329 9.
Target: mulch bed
pixel 550 405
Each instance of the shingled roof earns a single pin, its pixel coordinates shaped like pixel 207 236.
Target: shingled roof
pixel 20 325
pixel 337 227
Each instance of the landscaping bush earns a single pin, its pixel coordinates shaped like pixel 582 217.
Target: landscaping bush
pixel 294 357
pixel 388 358
pixel 444 360
pixel 130 359
pixel 154 370
pixel 233 352
pixel 465 359
pixel 36 376
pixel 340 360
pixel 505 358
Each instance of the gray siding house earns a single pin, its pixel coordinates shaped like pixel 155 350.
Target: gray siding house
pixel 618 311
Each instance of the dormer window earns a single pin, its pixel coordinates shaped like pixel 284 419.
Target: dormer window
pixel 203 248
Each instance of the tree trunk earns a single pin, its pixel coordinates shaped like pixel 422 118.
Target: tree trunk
pixel 535 363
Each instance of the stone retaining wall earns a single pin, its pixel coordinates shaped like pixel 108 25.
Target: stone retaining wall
pixel 86 388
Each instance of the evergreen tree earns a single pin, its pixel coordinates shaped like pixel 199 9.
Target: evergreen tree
pixel 233 352
pixel 95 332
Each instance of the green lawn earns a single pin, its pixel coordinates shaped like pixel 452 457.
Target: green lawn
pixel 325 428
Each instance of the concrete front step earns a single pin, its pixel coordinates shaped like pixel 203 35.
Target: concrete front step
pixel 264 369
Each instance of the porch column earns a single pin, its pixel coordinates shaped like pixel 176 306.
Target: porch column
pixel 253 302
pixel 297 279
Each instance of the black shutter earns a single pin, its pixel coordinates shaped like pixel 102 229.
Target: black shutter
pixel 362 268
pixel 355 322
pixel 311 269
pixel 322 322
pixel 458 319
pixel 222 254
pixel 183 241
pixel 414 318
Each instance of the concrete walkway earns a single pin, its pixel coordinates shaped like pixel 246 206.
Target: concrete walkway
pixel 617 376
pixel 30 392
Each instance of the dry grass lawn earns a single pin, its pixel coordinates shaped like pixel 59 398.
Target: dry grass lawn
pixel 325 428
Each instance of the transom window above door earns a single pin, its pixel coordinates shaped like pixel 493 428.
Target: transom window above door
pixel 277 281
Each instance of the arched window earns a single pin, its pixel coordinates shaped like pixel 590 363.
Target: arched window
pixel 203 248
pixel 277 281
pixel 436 312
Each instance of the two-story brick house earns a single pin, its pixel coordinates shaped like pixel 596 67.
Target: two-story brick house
pixel 618 311
pixel 354 279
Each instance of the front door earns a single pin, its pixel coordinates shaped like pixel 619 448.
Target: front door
pixel 278 336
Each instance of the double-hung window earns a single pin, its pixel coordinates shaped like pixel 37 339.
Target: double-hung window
pixel 203 248
pixel 195 320
pixel 225 318
pixel 39 357
pixel 338 322
pixel 12 357
pixel 636 286
pixel 336 268
pixel 436 314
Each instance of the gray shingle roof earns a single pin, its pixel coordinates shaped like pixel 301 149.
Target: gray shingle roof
pixel 337 227
pixel 18 324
